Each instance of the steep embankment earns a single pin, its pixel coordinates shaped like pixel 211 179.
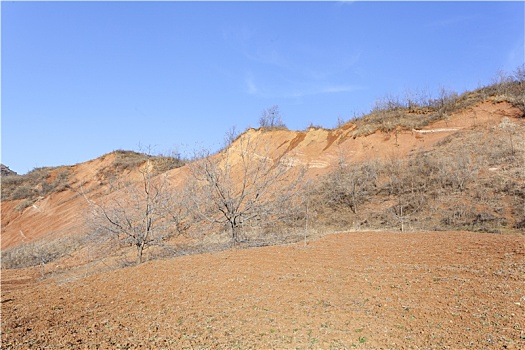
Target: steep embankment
pixel 60 212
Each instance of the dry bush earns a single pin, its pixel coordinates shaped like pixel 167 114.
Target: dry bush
pixel 131 160
pixel 419 109
pixel 23 192
pixel 24 204
pixel 271 119
pixel 9 184
pixel 243 185
pixel 140 214
pixel 162 164
pixel 392 113
pixel 428 190
pixel 350 185
pixel 33 184
pixel 461 216
pixel 38 252
pixel 128 160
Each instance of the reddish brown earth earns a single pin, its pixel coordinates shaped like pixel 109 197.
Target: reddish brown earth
pixel 374 290
pixel 319 150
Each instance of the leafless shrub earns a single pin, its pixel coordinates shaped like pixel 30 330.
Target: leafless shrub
pixel 508 87
pixel 128 159
pixel 242 186
pixel 463 168
pixel 340 122
pixel 23 192
pixel 230 136
pixel 163 163
pixel 24 204
pixel 271 119
pixel 138 214
pixel 406 207
pixel 420 109
pixel 39 252
pixel 350 184
pixel 458 215
pixel 33 184
pixel 387 103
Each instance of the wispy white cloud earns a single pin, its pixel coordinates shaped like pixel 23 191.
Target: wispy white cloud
pixel 305 60
pixel 291 89
pixel 251 88
pixel 516 55
pixel 277 69
pixel 322 90
pixel 267 56
pixel 451 21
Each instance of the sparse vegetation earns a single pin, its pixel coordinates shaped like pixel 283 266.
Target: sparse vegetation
pixel 39 252
pixel 449 187
pixel 138 214
pixel 39 182
pixel 131 160
pixel 243 186
pixel 417 110
pixel 271 119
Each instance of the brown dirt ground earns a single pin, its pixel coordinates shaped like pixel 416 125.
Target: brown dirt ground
pixel 373 290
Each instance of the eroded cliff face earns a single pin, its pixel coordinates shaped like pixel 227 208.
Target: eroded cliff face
pixel 61 212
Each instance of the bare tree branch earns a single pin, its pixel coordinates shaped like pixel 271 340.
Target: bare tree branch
pixel 242 185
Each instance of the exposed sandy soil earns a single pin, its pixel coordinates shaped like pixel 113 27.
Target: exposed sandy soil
pixel 318 149
pixel 445 290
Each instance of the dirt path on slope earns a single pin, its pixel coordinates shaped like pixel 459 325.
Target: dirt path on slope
pixel 446 290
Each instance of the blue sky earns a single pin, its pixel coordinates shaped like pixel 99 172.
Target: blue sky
pixel 81 79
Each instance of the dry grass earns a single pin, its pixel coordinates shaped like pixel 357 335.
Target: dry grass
pixel 461 184
pixel 131 160
pixel 39 252
pixel 394 113
pixel 37 182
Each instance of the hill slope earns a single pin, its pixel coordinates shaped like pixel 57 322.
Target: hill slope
pixel 48 203
pixel 413 169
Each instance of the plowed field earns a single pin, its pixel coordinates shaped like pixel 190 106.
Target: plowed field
pixel 446 290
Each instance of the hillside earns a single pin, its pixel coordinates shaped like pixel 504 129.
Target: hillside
pixel 49 202
pixel 5 171
pixel 400 229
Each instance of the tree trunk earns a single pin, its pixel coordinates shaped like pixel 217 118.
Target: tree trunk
pixel 235 234
pixel 140 249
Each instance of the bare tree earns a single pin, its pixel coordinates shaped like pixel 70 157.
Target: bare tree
pixel 351 184
pixel 404 209
pixel 230 136
pixel 463 169
pixel 243 184
pixel 407 185
pixel 271 118
pixel 139 214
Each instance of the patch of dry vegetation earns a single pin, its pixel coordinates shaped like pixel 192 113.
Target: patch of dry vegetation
pixel 39 252
pixel 418 110
pixel 39 182
pixel 461 184
pixel 126 161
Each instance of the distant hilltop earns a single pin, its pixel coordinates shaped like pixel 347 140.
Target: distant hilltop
pixel 5 171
